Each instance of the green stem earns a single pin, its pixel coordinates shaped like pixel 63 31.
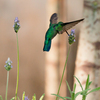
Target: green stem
pixel 83 97
pixel 17 67
pixel 1 97
pixel 63 72
pixel 73 96
pixel 7 85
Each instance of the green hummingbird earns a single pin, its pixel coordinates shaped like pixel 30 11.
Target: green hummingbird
pixel 57 28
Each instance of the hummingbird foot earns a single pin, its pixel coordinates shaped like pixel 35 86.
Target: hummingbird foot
pixel 67 32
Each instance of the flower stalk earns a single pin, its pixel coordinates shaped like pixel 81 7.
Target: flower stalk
pixel 16 28
pixel 63 72
pixel 8 67
pixel 71 39
pixel 17 68
pixel 7 85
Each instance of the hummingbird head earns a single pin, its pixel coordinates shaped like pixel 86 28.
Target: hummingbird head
pixel 53 18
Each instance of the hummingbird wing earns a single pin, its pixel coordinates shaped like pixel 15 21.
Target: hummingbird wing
pixel 68 25
pixel 53 18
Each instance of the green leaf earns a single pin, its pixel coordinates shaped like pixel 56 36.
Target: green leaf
pixel 18 98
pixel 62 97
pixel 90 83
pixel 79 82
pixel 59 96
pixel 34 97
pixel 96 89
pixel 87 83
pixel 12 98
pixel 41 98
pixel 84 92
pixel 69 88
pixel 74 87
pixel 23 96
pixel 67 98
pixel 78 93
pixel 1 97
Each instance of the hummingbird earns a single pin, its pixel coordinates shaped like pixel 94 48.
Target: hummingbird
pixel 57 28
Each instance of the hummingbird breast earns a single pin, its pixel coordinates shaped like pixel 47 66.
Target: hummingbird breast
pixel 51 33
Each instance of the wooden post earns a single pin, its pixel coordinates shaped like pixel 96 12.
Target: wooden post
pixel 62 48
pixel 88 55
pixel 51 67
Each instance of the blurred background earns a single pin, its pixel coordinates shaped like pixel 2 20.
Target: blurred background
pixel 40 72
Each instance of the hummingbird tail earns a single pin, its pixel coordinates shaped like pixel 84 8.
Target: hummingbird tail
pixel 47 45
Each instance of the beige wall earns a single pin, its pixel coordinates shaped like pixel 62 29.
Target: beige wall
pixel 33 20
pixel 32 16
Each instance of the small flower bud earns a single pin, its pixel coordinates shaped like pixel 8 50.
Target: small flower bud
pixel 71 38
pixel 95 5
pixel 8 65
pixel 16 24
pixel 26 98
